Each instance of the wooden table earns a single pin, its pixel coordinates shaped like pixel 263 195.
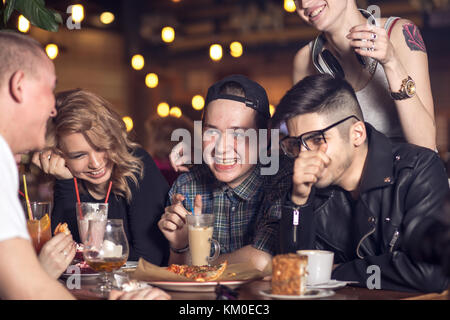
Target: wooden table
pixel 250 291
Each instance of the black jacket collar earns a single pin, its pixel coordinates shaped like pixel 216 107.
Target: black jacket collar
pixel 379 168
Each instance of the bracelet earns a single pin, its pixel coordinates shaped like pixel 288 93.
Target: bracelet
pixel 182 250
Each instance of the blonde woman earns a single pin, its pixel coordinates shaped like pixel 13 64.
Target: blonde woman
pixel 89 141
pixel 386 64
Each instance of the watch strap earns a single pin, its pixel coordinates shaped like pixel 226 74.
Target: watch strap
pixel 402 94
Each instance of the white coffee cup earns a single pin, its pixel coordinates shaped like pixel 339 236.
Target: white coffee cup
pixel 320 265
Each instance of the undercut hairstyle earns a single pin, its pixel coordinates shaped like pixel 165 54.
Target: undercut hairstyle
pixel 235 89
pixel 322 94
pixel 18 52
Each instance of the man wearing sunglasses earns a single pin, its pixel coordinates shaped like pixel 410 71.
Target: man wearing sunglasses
pixel 352 191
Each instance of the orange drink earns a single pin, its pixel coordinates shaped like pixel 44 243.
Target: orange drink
pixel 39 227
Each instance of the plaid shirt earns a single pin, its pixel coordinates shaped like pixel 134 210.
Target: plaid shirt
pixel 239 218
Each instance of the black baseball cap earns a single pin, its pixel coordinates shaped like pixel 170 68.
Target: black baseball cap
pixel 255 95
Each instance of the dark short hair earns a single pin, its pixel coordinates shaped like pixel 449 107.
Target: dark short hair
pixel 236 89
pixel 322 94
pixel 18 51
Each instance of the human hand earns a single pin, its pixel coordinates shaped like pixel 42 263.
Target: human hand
pixel 173 223
pixel 151 293
pixel 179 157
pixel 308 169
pixel 52 163
pixel 57 254
pixel 372 41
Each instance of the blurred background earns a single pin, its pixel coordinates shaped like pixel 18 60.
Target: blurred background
pixel 156 58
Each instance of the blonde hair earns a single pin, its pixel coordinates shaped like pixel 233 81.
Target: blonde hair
pixel 81 111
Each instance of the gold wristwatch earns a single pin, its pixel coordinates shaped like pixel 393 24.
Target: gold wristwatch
pixel 407 90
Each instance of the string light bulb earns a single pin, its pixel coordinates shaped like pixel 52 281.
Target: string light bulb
pixel 128 123
pixel 77 13
pixel 163 109
pixel 198 102
pixel 52 50
pixel 168 34
pixel 107 17
pixel 23 24
pixel 215 52
pixel 151 80
pixel 289 5
pixel 236 49
pixel 175 112
pixel 137 62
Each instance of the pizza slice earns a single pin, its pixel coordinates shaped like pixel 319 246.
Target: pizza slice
pixel 199 273
pixel 62 228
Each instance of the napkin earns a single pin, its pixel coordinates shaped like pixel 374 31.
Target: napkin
pixel 146 271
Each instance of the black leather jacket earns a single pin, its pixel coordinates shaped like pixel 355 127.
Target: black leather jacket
pixel 400 182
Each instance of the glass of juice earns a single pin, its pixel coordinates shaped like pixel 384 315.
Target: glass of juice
pixel 39 227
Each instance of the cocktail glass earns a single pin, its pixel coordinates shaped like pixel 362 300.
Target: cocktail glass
pixel 39 227
pixel 105 250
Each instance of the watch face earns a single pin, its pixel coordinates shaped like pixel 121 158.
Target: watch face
pixel 410 88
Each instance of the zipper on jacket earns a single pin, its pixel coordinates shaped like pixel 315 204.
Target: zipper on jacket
pixel 295 219
pixel 394 240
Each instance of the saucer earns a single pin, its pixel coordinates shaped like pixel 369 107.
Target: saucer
pixel 309 294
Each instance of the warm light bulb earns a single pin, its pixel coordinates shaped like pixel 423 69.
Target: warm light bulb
pixel 128 123
pixel 107 17
pixel 23 24
pixel 137 62
pixel 289 5
pixel 151 80
pixel 198 102
pixel 52 50
pixel 236 49
pixel 175 112
pixel 271 109
pixel 77 13
pixel 168 34
pixel 163 109
pixel 215 52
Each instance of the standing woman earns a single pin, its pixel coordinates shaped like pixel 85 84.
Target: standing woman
pixel 386 65
pixel 89 141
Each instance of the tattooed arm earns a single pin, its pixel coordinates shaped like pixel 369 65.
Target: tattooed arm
pixel 416 114
pixel 402 55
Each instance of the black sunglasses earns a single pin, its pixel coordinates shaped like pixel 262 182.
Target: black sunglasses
pixel 311 140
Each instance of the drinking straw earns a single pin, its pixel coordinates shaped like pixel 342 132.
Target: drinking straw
pixel 109 190
pixel 78 195
pixel 30 213
pixel 21 193
pixel 189 203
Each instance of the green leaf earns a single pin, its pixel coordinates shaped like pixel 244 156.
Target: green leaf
pixel 8 10
pixel 38 15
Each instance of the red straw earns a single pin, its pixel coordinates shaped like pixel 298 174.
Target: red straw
pixel 21 193
pixel 109 190
pixel 78 196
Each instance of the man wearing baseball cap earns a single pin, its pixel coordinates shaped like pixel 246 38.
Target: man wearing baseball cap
pixel 229 182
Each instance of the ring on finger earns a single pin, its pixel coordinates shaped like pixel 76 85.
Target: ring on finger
pixel 373 36
pixel 372 48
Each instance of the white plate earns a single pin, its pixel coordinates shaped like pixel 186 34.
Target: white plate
pixel 309 294
pixel 194 286
pixel 332 284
